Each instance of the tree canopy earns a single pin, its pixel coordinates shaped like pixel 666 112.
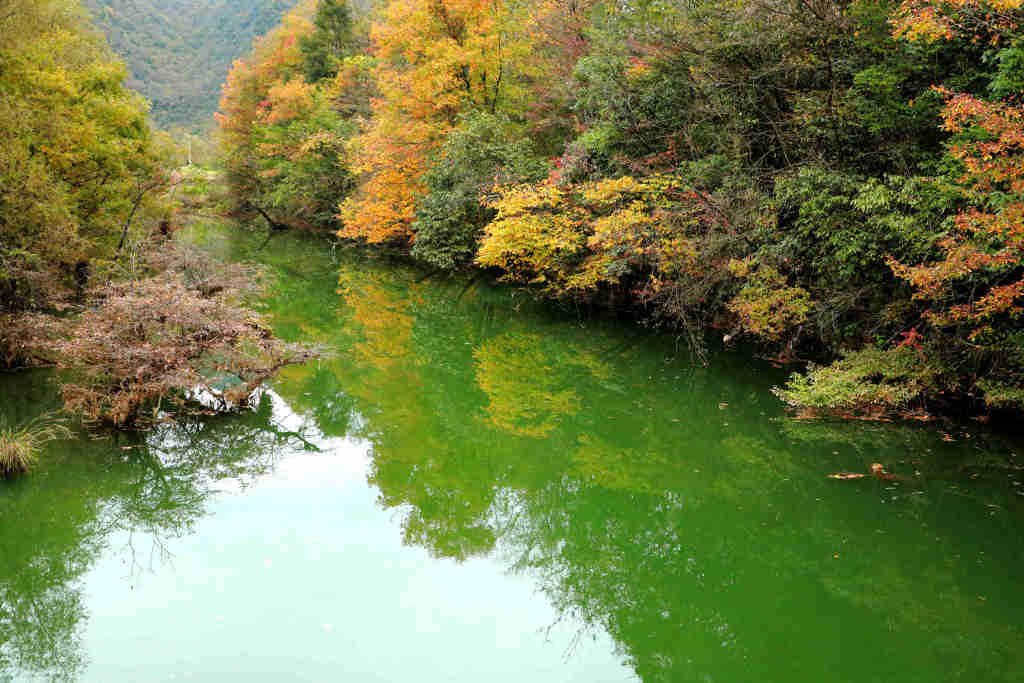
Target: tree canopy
pixel 830 179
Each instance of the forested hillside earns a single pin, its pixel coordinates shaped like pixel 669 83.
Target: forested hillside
pixel 835 180
pixel 179 51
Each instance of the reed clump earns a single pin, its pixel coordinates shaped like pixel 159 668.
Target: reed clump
pixel 20 445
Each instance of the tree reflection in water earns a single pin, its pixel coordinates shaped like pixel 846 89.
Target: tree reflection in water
pixel 155 487
pixel 674 511
pixel 670 505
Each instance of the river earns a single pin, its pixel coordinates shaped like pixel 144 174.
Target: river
pixel 472 486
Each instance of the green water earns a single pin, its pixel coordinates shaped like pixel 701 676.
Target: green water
pixel 472 487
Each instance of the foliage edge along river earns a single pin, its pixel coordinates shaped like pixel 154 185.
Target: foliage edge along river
pixel 471 484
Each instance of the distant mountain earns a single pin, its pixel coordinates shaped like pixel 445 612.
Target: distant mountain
pixel 178 52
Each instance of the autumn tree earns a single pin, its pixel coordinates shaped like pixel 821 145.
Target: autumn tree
pixel 77 158
pixel 435 59
pixel 275 63
pixel 283 124
pixel 655 239
pixel 974 292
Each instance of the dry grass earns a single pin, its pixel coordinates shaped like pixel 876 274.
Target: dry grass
pixel 20 445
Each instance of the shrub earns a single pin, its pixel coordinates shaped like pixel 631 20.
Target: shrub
pixel 766 305
pixel 174 336
pixel 20 446
pixel 868 381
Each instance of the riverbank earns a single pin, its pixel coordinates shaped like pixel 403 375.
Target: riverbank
pixel 847 190
pixel 173 333
pixel 869 385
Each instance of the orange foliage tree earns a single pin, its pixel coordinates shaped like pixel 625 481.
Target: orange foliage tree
pixel 265 88
pixel 988 237
pixel 975 290
pixel 977 20
pixel 275 58
pixel 436 59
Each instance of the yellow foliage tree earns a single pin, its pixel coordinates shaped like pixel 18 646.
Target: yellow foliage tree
pixel 572 239
pixel 77 157
pixel 435 59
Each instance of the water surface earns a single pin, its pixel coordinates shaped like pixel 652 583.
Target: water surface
pixel 475 487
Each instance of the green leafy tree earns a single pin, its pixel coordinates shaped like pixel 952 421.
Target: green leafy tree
pixel 483 151
pixel 331 39
pixel 77 157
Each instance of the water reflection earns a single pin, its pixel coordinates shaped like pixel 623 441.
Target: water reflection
pixel 59 520
pixel 668 505
pixel 675 507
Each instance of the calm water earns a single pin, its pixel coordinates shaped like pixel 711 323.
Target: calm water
pixel 475 488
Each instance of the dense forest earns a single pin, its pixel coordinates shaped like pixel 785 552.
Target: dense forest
pixel 834 182
pixel 179 51
pixel 837 181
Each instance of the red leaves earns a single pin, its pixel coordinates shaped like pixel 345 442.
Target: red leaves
pixel 913 340
pixel 986 241
pixel 973 20
pixel 995 163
